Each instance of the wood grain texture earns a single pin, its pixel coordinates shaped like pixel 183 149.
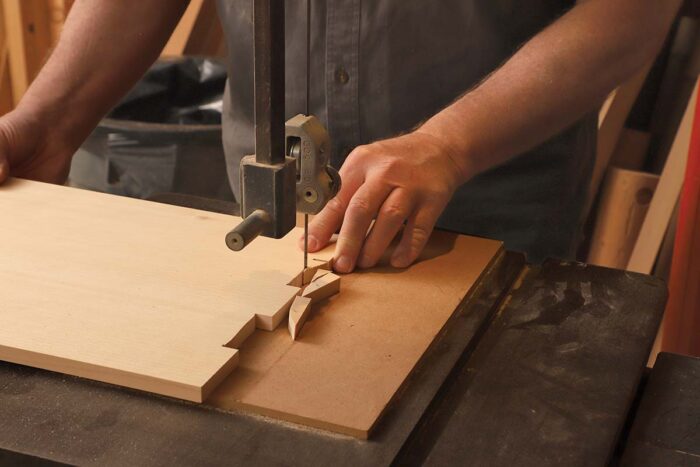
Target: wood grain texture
pixel 360 345
pixel 298 314
pixel 129 292
pixel 324 284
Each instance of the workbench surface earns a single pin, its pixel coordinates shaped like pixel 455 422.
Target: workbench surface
pixel 665 429
pixel 538 367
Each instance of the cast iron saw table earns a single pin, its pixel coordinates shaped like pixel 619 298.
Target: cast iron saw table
pixel 540 366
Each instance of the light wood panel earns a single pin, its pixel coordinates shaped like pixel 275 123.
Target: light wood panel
pixel 130 292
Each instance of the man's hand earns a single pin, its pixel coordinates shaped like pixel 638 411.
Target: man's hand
pixel 27 151
pixel 537 93
pixel 407 179
pixel 83 78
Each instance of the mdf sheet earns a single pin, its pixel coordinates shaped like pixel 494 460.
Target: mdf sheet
pixel 358 348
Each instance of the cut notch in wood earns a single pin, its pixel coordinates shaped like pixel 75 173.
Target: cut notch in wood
pixel 308 274
pixel 324 284
pixel 298 314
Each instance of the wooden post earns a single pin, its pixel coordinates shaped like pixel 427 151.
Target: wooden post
pixel 6 100
pixel 28 32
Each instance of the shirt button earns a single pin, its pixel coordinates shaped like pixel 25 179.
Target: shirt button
pixel 341 75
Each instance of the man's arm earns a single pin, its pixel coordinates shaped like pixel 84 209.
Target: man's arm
pixel 557 77
pixel 105 47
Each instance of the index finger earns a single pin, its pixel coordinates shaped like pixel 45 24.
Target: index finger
pixel 328 221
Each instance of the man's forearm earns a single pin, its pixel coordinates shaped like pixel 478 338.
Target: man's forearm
pixel 105 47
pixel 554 79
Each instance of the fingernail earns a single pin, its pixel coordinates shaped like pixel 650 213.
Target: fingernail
pixel 343 264
pixel 313 243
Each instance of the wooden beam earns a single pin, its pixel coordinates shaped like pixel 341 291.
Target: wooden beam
pixel 611 121
pixel 6 101
pixel 36 23
pixel 207 37
pixel 198 32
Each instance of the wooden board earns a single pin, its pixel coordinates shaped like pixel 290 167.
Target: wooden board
pixel 129 292
pixel 358 347
pixel 354 354
pixel 665 197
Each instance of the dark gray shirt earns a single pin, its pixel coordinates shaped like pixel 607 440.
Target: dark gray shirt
pixel 380 67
